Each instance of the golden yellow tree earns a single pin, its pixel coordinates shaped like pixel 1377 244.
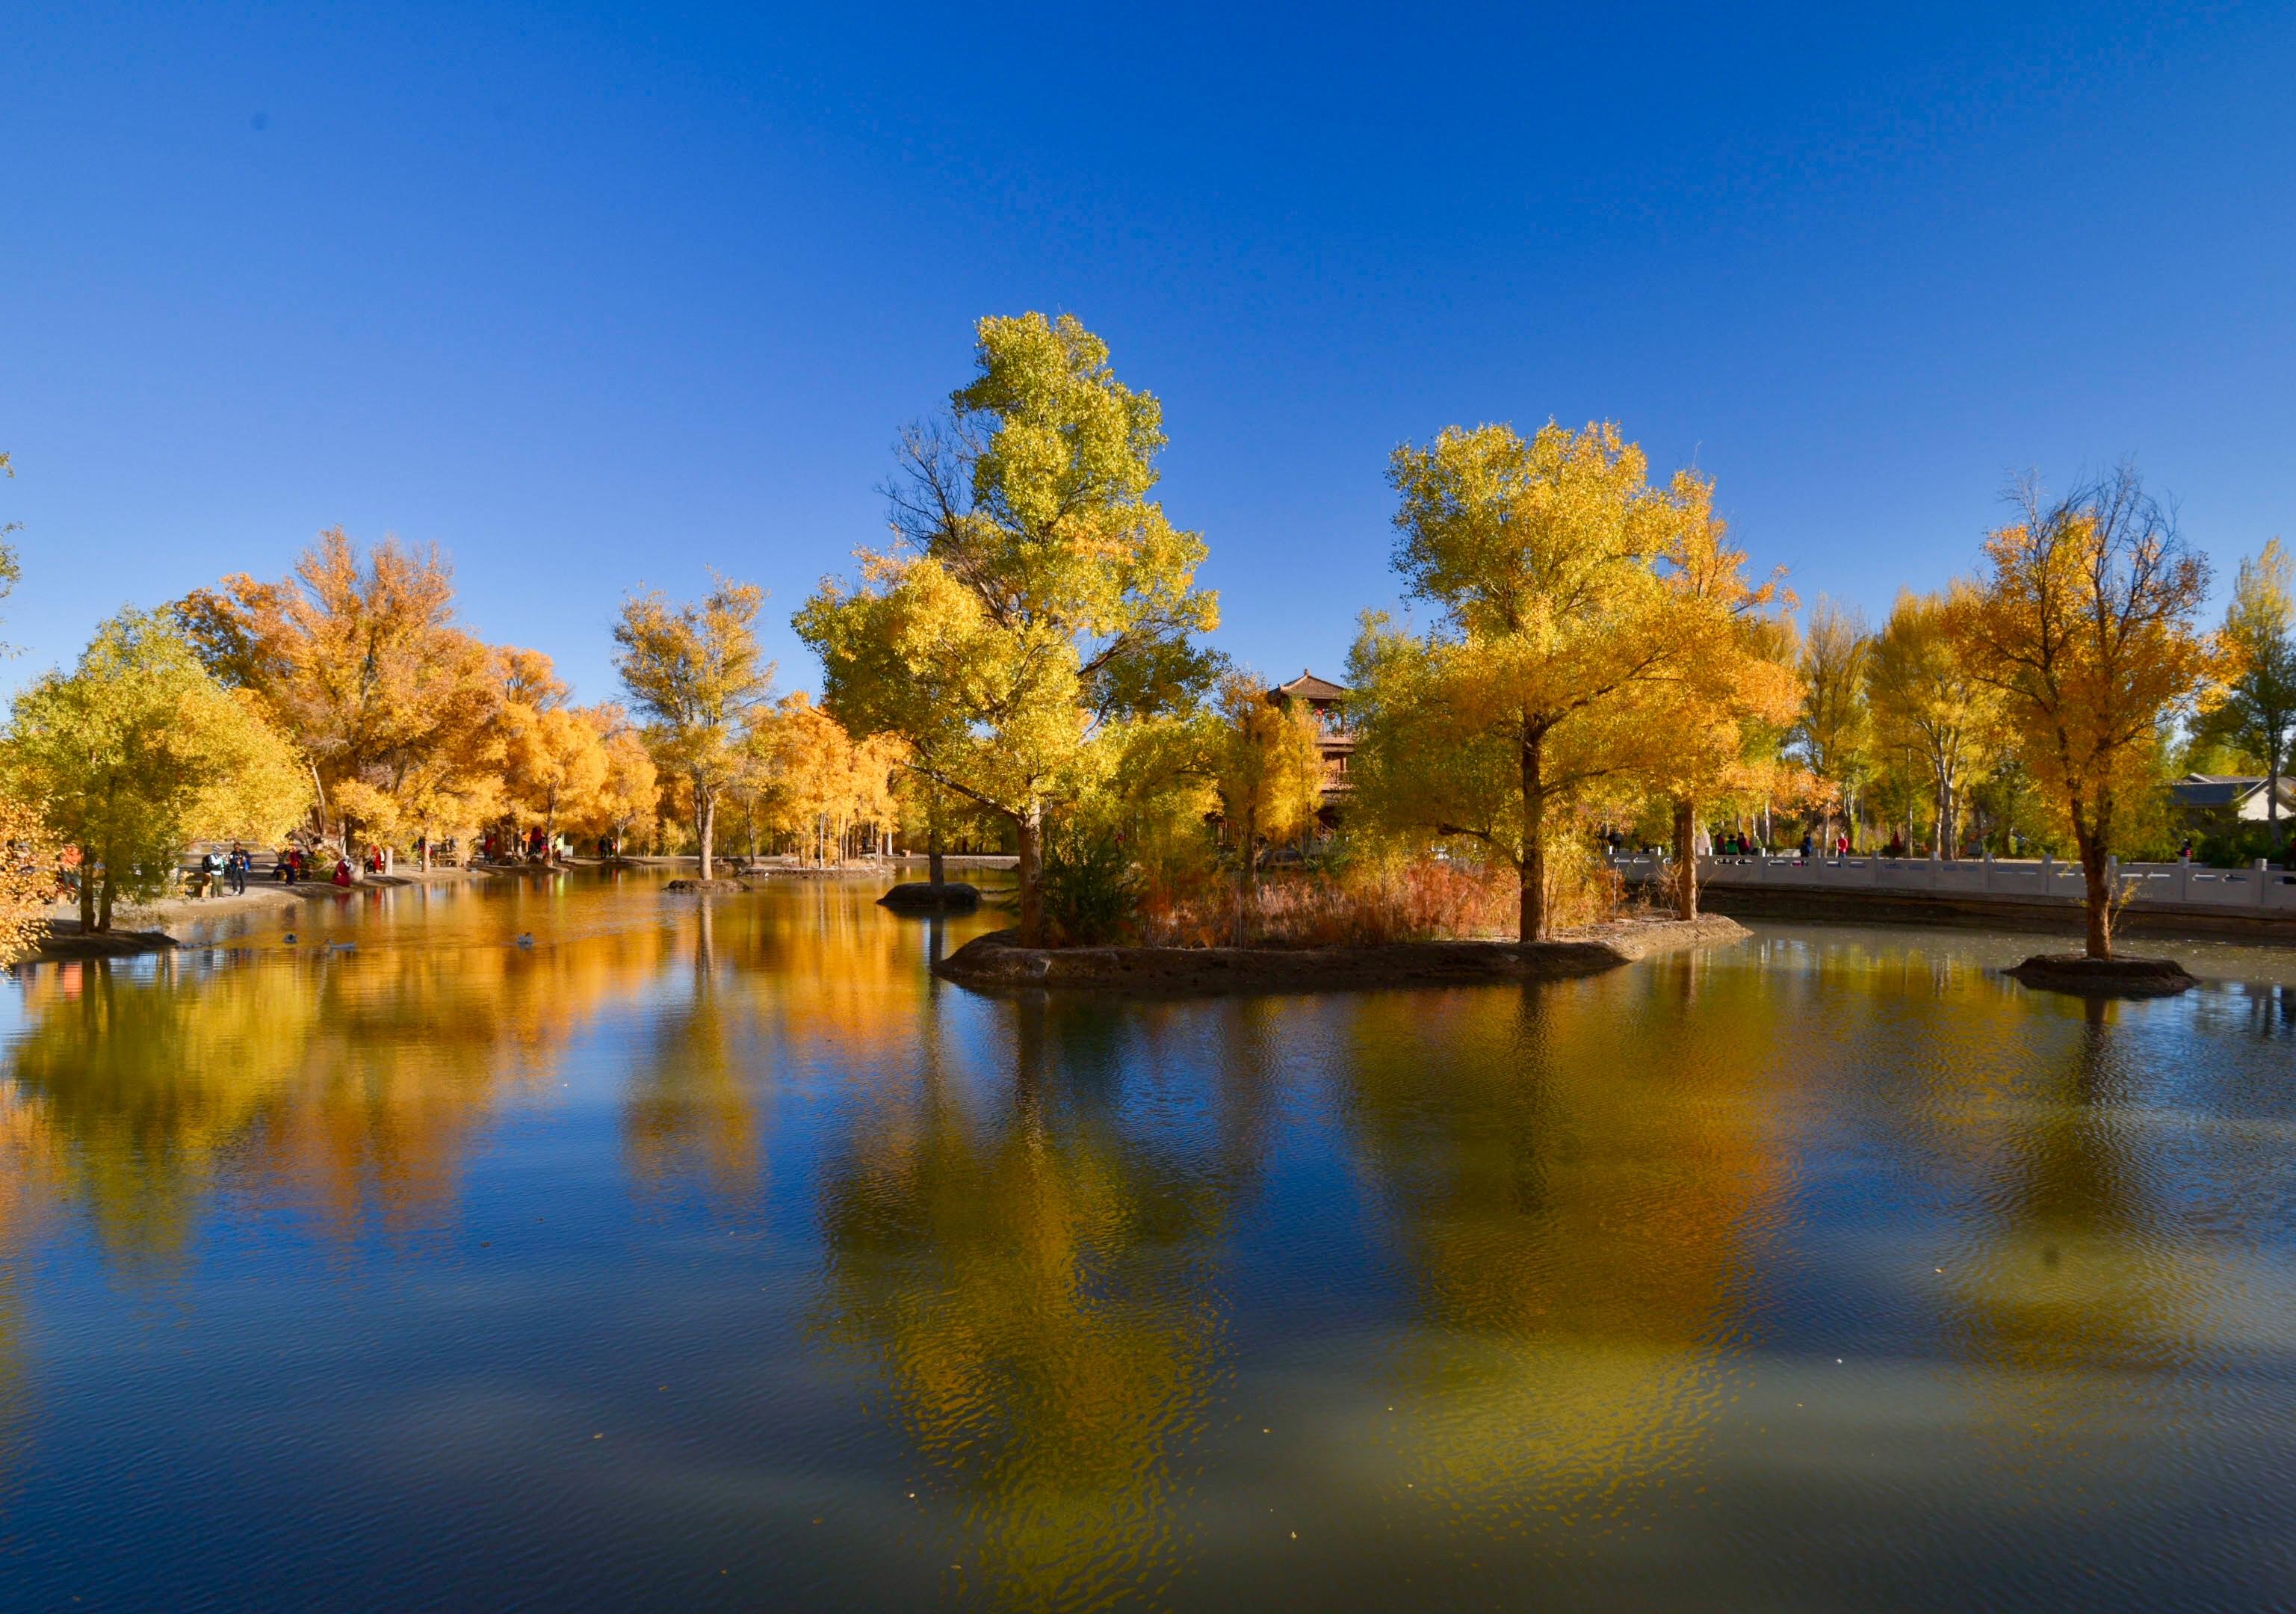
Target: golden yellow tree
pixel 1928 704
pixel 696 672
pixel 28 878
pixel 1541 557
pixel 359 661
pixel 624 803
pixel 1268 762
pixel 1035 597
pixel 553 767
pixel 2084 624
pixel 815 781
pixel 1729 687
pixel 1832 734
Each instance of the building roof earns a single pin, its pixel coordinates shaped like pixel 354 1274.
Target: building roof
pixel 1307 686
pixel 2221 789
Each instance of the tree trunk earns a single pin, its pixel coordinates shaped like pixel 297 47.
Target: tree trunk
pixel 705 824
pixel 1247 844
pixel 2272 798
pixel 932 851
pixel 103 903
pixel 1685 858
pixel 1029 825
pixel 2100 894
pixel 1531 914
pixel 87 891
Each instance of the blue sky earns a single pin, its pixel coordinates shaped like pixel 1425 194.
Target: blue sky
pixel 601 297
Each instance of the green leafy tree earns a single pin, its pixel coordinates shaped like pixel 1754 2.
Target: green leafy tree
pixel 1034 599
pixel 2257 714
pixel 139 750
pixel 696 673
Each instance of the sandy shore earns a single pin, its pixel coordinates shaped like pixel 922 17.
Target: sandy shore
pixel 151 921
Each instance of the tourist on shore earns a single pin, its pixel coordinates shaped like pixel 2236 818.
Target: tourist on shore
pixel 342 871
pixel 236 865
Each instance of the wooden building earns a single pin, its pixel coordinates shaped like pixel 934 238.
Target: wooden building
pixel 1328 701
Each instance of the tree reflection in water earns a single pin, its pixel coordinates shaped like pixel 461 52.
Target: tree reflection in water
pixel 347 1087
pixel 1034 1276
pixel 1579 1178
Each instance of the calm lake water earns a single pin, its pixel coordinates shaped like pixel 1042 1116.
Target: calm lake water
pixel 719 1258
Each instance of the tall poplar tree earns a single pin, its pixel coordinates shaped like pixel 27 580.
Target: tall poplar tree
pixel 1541 558
pixel 2084 623
pixel 696 673
pixel 1034 596
pixel 1832 734
pixel 1929 703
pixel 1729 687
pixel 358 660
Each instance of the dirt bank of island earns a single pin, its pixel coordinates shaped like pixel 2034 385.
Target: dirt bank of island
pixel 996 962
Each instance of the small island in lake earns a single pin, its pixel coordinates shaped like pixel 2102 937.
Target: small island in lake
pixel 997 962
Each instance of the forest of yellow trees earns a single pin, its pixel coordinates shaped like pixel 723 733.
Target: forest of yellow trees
pixel 1022 665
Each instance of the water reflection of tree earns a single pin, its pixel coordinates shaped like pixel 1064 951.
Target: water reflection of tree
pixel 2076 1286
pixel 1577 1178
pixel 346 1085
pixel 29 1164
pixel 811 976
pixel 1034 1282
pixel 691 1113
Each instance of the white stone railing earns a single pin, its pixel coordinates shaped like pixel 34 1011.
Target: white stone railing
pixel 2182 884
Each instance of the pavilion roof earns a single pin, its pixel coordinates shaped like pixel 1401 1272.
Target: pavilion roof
pixel 1307 686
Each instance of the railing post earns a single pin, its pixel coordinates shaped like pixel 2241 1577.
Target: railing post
pixel 2049 876
pixel 2263 884
pixel 2184 877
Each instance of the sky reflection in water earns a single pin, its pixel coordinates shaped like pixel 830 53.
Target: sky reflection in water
pixel 720 1257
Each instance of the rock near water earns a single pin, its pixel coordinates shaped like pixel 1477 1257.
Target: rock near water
pixel 923 897
pixel 2076 972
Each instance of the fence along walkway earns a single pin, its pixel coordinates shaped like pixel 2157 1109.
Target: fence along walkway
pixel 2257 890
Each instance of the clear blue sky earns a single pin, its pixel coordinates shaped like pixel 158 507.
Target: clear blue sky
pixel 601 299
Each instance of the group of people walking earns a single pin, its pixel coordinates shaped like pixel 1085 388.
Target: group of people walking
pixel 229 869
